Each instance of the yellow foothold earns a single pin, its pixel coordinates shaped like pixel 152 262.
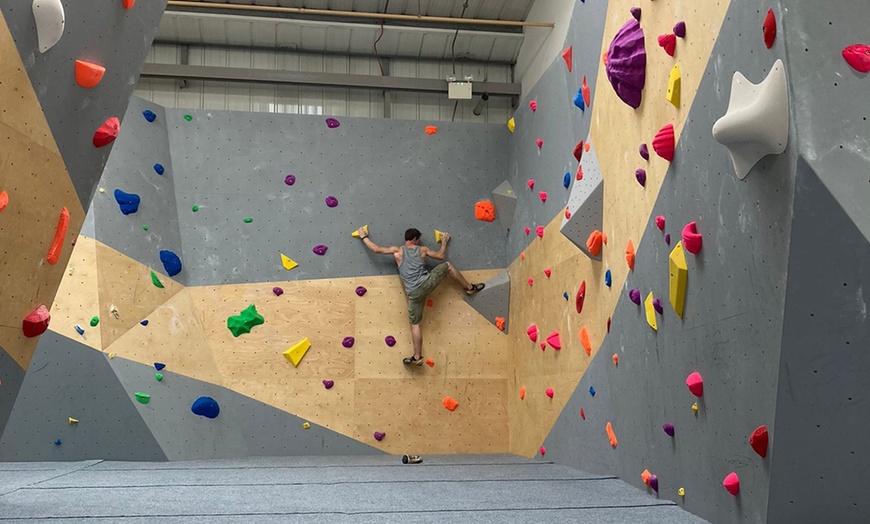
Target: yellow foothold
pixel 365 228
pixel 673 94
pixel 438 236
pixel 297 351
pixel 287 262
pixel 306 425
pixel 71 269
pixel 695 408
pixel 102 190
pixel 512 124
pixel 681 492
pixel 73 420
pixel 679 274
pixel 111 355
pixel 650 312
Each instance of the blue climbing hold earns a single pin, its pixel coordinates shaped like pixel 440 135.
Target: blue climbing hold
pixel 591 391
pixel 158 168
pixel 149 115
pixel 128 202
pixel 578 100
pixel 206 407
pixel 159 365
pixel 171 262
pixel 57 442
pixel 566 180
pixel 565 294
pixel 607 279
pixel 144 322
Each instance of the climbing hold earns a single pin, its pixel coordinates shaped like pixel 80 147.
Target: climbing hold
pixel 695 408
pixel 379 436
pixel 629 255
pixel 582 414
pixel 644 476
pixel 681 492
pixel 542 450
pixel 484 211
pixel 512 124
pixel 668 428
pixel 332 123
pixel 57 442
pixel 657 305
pixel 328 383
pixel 768 28
pixel 522 392
pixel 531 281
pixel 592 391
pixel 499 323
pixel 73 420
pixel 4 200
pixel 107 133
pixel 650 312
pixel 654 483
pixel 128 202
pixel 306 425
pixel 94 321
pixel 578 99
pixel 673 93
pixel 568 57
pixel 159 366
pixel 587 93
pixel 195 208
pixel 390 340
pixel 610 434
pixel 142 398
pixel 528 230
pixel 244 321
pixel 679 274
pixel 159 169
pixel 581 297
pixel 348 342
pixel 635 12
pixel 79 330
pixel 49 22
pixel 756 123
pixel 149 115
pixel 539 231
pixel 88 75
pixel 247 220
pixel 111 355
pixel 640 175
pixel 608 280
pixel 295 353
pixel 449 403
pixel 360 291
pixel 566 181
pixel 548 272
pixel 158 377
pixel 156 281
pixel 355 233
pixel 36 322
pixel 59 234
pixel 615 359
pixel 664 142
pixel 634 295
pixel 692 240
pixel 144 322
pixel 431 130
pixel 206 407
pixel 625 63
pixel 579 172
pixel 532 332
pixel 584 340
pixel 540 143
pixel 660 222
pixel 290 180
pixel 578 151
pixel 287 262
pixel 554 340
pixel 531 184
pixel 331 201
pixel 278 291
pixel 608 324
pixel 732 483
pixel 643 150
pixel 680 29
pixel 758 440
pixel 522 255
pixel 695 384
pixel 668 42
pixel 171 262
pixel 430 362
pixel 128 4
pixel 565 294
pixel 145 227
pixel 533 105
pixel 858 56
pixel 593 243
pixel 188 117
pixel 549 392
pixel 668 238
pixel 319 249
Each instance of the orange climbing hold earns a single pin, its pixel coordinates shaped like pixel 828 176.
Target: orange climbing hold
pixel 499 323
pixel 4 200
pixel 450 404
pixel 593 243
pixel 88 75
pixel 523 393
pixel 611 435
pixel 430 362
pixel 523 255
pixel 645 476
pixel 615 358
pixel 584 339
pixel 587 146
pixel 431 130
pixel 128 4
pixel 59 234
pixel 430 303
pixel 629 255
pixel 485 211
pixel 568 56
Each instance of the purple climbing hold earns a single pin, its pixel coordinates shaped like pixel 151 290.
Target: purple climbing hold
pixel 680 29
pixel 635 12
pixel 347 342
pixel 319 249
pixel 290 180
pixel 657 305
pixel 379 436
pixel 278 291
pixel 654 483
pixel 390 340
pixel 332 123
pixel 360 291
pixel 644 151
pixel 328 384
pixel 640 175
pixel 669 429
pixel 668 238
pixel 634 295
pixel 626 63
pixel 331 201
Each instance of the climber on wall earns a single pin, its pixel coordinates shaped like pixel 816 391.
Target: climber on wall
pixel 418 280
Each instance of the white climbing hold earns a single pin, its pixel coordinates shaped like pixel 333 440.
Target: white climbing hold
pixel 49 22
pixel 756 123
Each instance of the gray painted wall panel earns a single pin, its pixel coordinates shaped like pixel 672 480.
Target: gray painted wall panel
pixel 11 378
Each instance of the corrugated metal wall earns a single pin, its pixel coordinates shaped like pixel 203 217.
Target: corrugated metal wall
pixel 237 96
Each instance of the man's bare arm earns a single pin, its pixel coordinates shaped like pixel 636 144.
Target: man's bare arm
pixel 441 253
pixel 376 248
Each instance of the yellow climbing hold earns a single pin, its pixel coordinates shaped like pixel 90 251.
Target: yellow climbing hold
pixel 679 274
pixel 288 262
pixel 681 492
pixel 438 236
pixel 695 408
pixel 111 355
pixel 102 190
pixel 650 312
pixel 673 94
pixel 512 124
pixel 355 233
pixel 73 420
pixel 306 425
pixel 295 353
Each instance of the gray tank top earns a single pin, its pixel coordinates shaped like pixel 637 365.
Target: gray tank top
pixel 413 271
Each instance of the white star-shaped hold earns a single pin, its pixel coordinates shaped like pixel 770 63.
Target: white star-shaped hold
pixel 756 123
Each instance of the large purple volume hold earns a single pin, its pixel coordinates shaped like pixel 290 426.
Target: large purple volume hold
pixel 626 63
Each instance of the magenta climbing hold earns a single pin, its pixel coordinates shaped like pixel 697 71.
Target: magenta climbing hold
pixel 332 123
pixel 531 184
pixel 528 231
pixel 348 342
pixel 543 450
pixel 664 142
pixel 657 305
pixel 660 222
pixel 533 105
pixel 319 249
pixel 540 143
pixel 695 383
pixel 540 231
pixel 668 43
pixel 290 180
pixel 554 340
pixel 669 429
pixel 543 196
pixel 626 63
pixel 550 392
pixel 278 291
pixel 640 175
pixel 858 56
pixel 532 332
pixel 578 150
pixel 634 295
pixel 635 12
pixel 732 483
pixel 379 436
pixel 692 240
pixel 331 201
pixel 328 384
pixel 548 272
pixel 643 150
pixel 360 291
pixel 531 281
pixel 680 29
pixel 390 340
pixel 654 483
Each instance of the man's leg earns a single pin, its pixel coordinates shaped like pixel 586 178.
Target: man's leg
pixel 417 337
pixel 456 275
pixel 415 316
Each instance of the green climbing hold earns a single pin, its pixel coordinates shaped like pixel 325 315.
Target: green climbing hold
pixel 156 281
pixel 145 228
pixel 159 377
pixel 188 118
pixel 95 321
pixel 195 208
pixel 243 322
pixel 249 220
pixel 143 398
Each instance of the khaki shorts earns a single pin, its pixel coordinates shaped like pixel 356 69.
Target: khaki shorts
pixel 417 298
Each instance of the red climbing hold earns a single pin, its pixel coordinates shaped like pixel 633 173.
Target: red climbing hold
pixel 543 195
pixel 587 94
pixel 692 240
pixel 532 332
pixel 695 384
pixel 567 214
pixel 128 4
pixel 664 142
pixel 668 43
pixel 579 171
pixel 59 234
pixel 581 296
pixel 543 451
pixel 758 440
pixel 531 184
pixel 107 133
pixel 593 243
pixel 540 142
pixel 732 483
pixel 578 150
pixel 539 231
pixel 4 200
pixel 554 340
pixel 582 414
pixel 36 322
pixel 608 324
pixel 550 392
pixel 568 56
pixel 858 56
pixel 769 28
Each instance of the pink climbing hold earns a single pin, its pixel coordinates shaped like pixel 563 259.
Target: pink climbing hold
pixel 695 384
pixel 390 340
pixel 36 322
pixel 540 143
pixel 660 222
pixel 634 295
pixel 531 281
pixel 635 12
pixel 640 175
pixel 543 451
pixel 532 332
pixel 543 195
pixel 531 184
pixel 107 133
pixel 332 123
pixel 758 440
pixel 568 56
pixel 680 29
pixel 692 240
pixel 379 436
pixel 540 231
pixel 543 346
pixel 550 392
pixel 732 483
pixel 528 231
pixel 578 150
pixel 554 340
pixel 278 291
pixel 664 142
pixel 858 56
pixel 319 249
pixel 331 201
pixel 768 29
pixel 360 291
pixel 533 105
pixel 668 43
pixel 547 272
pixel 328 384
